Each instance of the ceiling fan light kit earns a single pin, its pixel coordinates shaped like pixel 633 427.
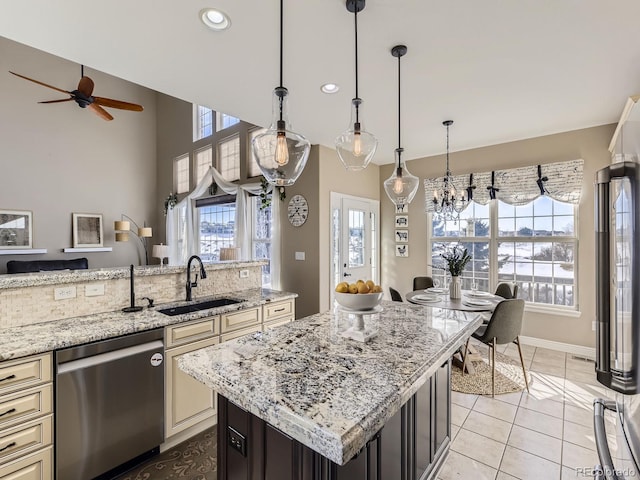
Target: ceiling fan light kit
pixel 281 153
pixel 401 186
pixel 83 96
pixel 356 147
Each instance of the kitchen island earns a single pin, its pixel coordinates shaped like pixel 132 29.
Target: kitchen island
pixel 302 401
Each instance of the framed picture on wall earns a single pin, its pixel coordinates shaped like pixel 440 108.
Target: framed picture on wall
pixel 87 230
pixel 402 236
pixel 404 208
pixel 402 221
pixel 16 229
pixel 402 250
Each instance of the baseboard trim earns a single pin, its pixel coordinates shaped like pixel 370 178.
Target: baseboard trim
pixel 580 350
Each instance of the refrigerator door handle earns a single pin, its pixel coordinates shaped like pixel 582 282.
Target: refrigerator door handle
pixel 607 471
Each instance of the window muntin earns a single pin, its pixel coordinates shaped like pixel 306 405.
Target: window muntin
pixel 229 158
pixel 181 173
pixel 204 160
pixel 203 122
pixel 534 245
pixel 225 121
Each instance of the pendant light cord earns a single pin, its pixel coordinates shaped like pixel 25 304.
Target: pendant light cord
pixel 81 70
pixel 355 18
pixel 448 172
pixel 281 55
pixel 399 89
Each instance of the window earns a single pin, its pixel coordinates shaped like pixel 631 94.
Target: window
pixel 216 229
pixel 225 121
pixel 181 173
pixel 262 233
pixel 204 160
pixel 254 169
pixel 203 124
pixel 229 158
pixel 533 245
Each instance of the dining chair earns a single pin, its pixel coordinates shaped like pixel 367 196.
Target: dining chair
pixel 422 283
pixel 504 326
pixel 395 295
pixel 507 290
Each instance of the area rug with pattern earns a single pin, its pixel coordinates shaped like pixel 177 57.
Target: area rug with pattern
pixel 193 459
pixel 508 379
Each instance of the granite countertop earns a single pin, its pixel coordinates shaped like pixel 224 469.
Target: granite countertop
pixel 47 336
pixel 328 392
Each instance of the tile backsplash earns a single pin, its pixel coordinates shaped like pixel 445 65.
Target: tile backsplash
pixel 25 305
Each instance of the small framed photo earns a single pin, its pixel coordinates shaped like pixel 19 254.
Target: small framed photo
pixel 402 236
pixel 404 208
pixel 87 230
pixel 402 221
pixel 402 250
pixel 16 229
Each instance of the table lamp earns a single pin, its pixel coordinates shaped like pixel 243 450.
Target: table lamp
pixel 160 251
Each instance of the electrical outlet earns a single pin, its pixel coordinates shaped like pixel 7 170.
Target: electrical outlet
pixel 94 290
pixel 62 293
pixel 300 255
pixel 244 273
pixel 237 441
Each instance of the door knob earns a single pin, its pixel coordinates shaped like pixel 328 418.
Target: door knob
pixel 347 274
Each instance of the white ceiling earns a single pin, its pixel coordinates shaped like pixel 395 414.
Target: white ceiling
pixel 502 69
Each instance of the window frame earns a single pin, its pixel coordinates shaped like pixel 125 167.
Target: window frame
pixel 494 239
pixel 197 125
pixel 176 173
pixel 255 206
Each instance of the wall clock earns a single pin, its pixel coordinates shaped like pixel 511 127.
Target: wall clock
pixel 298 210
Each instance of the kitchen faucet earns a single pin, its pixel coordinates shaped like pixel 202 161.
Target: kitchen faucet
pixel 203 275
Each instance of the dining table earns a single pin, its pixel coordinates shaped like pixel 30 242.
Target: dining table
pixel 471 301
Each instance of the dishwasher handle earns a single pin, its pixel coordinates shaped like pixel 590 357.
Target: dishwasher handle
pixel 102 358
pixel 607 471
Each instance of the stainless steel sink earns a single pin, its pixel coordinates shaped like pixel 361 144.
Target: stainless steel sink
pixel 196 307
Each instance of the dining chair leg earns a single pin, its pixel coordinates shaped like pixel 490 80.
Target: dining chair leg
pixel 524 372
pixel 464 357
pixel 493 367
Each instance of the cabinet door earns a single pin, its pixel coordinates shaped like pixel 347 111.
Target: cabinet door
pixel 187 400
pixel 37 466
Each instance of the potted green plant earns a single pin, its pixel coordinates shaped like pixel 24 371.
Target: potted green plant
pixel 456 258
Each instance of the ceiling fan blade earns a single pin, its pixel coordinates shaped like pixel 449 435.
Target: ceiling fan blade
pixel 107 102
pixel 101 112
pixel 40 83
pixel 85 85
pixel 58 101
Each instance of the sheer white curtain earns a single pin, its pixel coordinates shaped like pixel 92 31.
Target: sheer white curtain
pixel 182 236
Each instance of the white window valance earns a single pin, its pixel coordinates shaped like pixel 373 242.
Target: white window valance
pixel 561 181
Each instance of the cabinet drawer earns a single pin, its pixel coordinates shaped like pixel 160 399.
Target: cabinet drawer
pixel 25 405
pixel 25 438
pixel 239 333
pixel 276 323
pixel 277 310
pixel 192 331
pixel 37 466
pixel 24 373
pixel 241 319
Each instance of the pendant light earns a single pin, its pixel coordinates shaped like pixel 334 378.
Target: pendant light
pixel 281 153
pixel 446 203
pixel 401 186
pixel 356 146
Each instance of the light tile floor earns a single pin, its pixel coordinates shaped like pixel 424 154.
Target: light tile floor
pixel 544 434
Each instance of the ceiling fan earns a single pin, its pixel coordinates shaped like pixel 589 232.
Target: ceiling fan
pixel 82 96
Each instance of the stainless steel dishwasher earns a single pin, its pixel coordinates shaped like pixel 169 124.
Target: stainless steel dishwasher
pixel 109 404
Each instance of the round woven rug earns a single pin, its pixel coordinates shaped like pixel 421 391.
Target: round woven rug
pixel 508 375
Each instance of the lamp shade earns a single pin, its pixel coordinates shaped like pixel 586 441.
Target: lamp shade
pixel 122 236
pixel 145 232
pixel 231 253
pixel 122 225
pixel 160 251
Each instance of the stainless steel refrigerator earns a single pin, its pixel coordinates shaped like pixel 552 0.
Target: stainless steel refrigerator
pixel 617 203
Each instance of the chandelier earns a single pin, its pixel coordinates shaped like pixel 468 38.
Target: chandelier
pixel 446 204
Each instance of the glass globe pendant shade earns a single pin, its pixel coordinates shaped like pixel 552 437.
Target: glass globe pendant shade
pixel 401 186
pixel 356 147
pixel 281 154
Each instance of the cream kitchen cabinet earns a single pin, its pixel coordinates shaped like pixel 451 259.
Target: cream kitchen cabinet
pixel 278 313
pixel 26 418
pixel 187 401
pixel 246 320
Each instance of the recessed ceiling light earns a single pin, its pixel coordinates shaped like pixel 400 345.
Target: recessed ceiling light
pixel 215 19
pixel 329 88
